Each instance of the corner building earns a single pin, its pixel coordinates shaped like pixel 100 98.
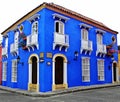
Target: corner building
pixel 53 48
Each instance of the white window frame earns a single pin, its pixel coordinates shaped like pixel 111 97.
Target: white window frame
pixel 101 70
pixel 14 71
pixel 34 29
pixel 61 27
pixel 99 38
pixel 86 69
pixel 16 39
pixel 6 42
pixel 4 71
pixel 84 34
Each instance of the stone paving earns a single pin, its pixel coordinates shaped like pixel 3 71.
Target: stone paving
pixel 110 94
pixel 66 91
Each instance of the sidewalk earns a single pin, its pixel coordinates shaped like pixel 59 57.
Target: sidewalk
pixel 58 92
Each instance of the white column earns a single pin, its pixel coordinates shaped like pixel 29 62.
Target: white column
pixel 65 73
pixel 30 73
pixel 53 73
pixel 38 73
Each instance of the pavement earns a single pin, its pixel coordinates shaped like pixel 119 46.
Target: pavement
pixel 58 92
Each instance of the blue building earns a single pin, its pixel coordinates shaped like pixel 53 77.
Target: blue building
pixel 53 48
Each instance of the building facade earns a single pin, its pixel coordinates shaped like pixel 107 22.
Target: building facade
pixel 53 48
pixel 0 64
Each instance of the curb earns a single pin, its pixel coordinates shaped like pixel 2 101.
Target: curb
pixel 58 92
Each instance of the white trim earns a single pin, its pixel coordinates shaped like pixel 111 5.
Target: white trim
pixel 30 68
pixel 100 31
pixel 86 70
pixel 65 73
pixel 34 17
pixel 53 72
pixel 64 68
pixel 4 71
pixel 59 30
pixel 60 17
pixel 30 73
pixel 85 25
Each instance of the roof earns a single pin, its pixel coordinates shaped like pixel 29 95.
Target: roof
pixel 63 11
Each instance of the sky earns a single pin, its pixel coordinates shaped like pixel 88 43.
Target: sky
pixel 105 11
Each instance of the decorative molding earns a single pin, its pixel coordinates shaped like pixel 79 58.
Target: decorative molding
pixel 33 55
pixel 34 17
pixel 100 31
pixel 55 15
pixel 85 26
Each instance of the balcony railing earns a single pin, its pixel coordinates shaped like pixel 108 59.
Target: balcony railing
pixel 101 48
pixel 86 45
pixel 32 40
pixel 61 40
pixel 13 48
pixel 4 51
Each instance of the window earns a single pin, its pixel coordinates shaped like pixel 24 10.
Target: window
pixel 6 42
pixel 35 27
pixel 99 39
pixel 4 71
pixel 85 69
pixel 14 70
pixel 100 64
pixel 16 39
pixel 59 27
pixel 84 34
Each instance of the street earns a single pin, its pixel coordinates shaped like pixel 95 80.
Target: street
pixel 111 94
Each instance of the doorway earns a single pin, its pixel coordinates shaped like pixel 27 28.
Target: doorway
pixel 34 70
pixel 59 72
pixel 33 82
pixel 115 72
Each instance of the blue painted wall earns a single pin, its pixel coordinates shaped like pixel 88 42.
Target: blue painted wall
pixel 46 37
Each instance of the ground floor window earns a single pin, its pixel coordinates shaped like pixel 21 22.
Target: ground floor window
pixel 85 69
pixel 14 70
pixel 4 71
pixel 100 66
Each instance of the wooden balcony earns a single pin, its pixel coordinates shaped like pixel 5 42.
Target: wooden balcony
pixel 32 41
pixel 4 52
pixel 14 49
pixel 86 45
pixel 101 49
pixel 61 40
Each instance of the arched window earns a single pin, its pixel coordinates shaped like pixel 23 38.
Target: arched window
pixel 35 27
pixel 59 27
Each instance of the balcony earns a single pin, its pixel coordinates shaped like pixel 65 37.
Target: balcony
pixel 32 41
pixel 14 49
pixel 4 52
pixel 101 49
pixel 86 45
pixel 61 40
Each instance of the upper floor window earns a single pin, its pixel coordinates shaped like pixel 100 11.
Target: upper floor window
pixel 35 27
pixel 6 42
pixel 16 38
pixel 59 27
pixel 84 34
pixel 99 39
